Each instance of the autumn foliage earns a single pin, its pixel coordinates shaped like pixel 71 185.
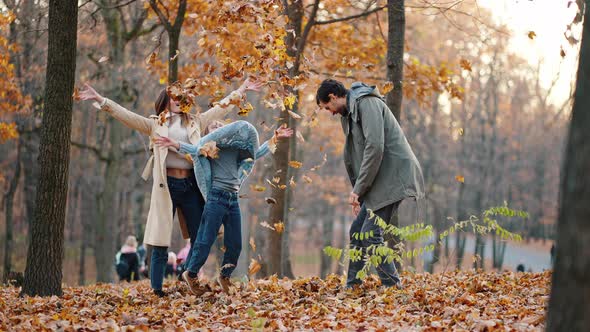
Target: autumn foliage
pixel 11 99
pixel 458 300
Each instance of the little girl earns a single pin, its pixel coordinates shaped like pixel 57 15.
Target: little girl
pixel 219 178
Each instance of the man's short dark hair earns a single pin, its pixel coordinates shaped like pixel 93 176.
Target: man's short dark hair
pixel 327 87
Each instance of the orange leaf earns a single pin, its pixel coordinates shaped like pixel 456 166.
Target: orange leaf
pixel 210 150
pixel 295 164
pixel 460 178
pixel 388 86
pixel 532 35
pixel 254 267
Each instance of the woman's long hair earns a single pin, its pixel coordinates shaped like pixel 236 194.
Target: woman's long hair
pixel 163 103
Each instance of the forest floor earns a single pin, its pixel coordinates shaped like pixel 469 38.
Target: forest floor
pixel 460 300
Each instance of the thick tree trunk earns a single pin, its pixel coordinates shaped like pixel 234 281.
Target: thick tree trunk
pixel 9 207
pixel 278 212
pixel 173 40
pixel 569 304
pixel 396 18
pixel 43 273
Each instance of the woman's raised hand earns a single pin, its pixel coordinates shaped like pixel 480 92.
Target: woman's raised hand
pixel 250 85
pixel 88 93
pixel 166 142
pixel 283 132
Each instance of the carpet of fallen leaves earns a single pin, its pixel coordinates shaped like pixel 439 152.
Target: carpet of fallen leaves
pixel 453 300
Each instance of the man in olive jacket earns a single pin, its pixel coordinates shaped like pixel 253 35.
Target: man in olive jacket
pixel 380 163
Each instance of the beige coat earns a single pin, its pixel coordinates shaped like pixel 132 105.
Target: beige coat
pixel 158 230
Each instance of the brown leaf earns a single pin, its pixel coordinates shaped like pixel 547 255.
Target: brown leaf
pixel 270 200
pixel 279 227
pixel 388 86
pixel 210 150
pixel 531 35
pixel 254 267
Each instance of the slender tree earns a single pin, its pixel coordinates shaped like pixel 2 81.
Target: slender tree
pixel 43 273
pixel 569 304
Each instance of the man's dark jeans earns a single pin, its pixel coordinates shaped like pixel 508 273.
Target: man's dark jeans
pixel 187 197
pixel 221 208
pixel 386 271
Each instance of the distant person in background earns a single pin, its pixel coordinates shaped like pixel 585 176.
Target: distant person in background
pixel 181 258
pixel 552 253
pixel 141 251
pixel 127 260
pixel 171 265
pixel 520 267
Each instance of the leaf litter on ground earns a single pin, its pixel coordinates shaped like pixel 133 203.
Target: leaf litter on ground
pixel 458 300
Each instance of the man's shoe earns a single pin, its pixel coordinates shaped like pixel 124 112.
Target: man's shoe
pixel 225 283
pixel 193 284
pixel 159 293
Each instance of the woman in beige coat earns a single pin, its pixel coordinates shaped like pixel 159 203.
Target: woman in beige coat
pixel 174 188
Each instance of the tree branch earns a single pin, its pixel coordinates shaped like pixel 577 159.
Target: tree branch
pixel 163 19
pixel 310 22
pixel 180 15
pixel 352 17
pixel 94 149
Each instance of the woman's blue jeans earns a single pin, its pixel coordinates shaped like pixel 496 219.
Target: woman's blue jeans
pixel 185 196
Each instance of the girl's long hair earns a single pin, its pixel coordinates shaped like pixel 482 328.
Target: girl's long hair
pixel 162 104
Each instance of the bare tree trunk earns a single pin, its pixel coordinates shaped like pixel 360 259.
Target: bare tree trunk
pixel 328 234
pixel 396 18
pixel 9 201
pixel 277 213
pixel 395 54
pixel 173 29
pixel 569 303
pixel 43 273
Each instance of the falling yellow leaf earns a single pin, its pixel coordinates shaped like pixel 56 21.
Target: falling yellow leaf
pixel 300 136
pixel 258 188
pixel 282 186
pixel 279 227
pixel 460 178
pixel 188 158
pixel 210 150
pixel 307 179
pixel 76 94
pixel 314 122
pixel 252 244
pixel 289 101
pixel 532 35
pixel 175 55
pixel 295 164
pixel 294 115
pixel 151 59
pixel 266 225
pixel 388 86
pixel 245 110
pixel 254 267
pixel 460 131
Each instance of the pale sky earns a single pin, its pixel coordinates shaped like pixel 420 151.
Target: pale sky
pixel 549 20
